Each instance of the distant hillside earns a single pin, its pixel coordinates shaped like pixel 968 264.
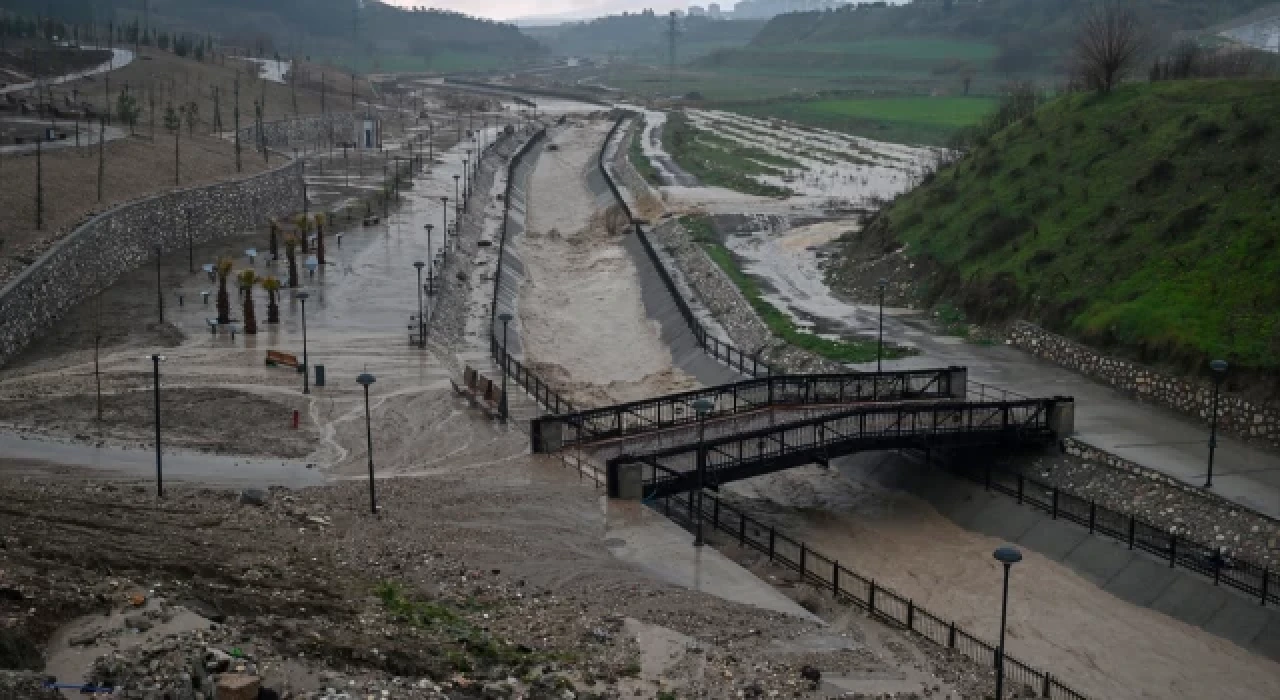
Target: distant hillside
pixel 313 27
pixel 643 36
pixel 1143 222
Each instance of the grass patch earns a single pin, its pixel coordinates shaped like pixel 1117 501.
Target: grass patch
pixel 922 120
pixel 639 160
pixel 780 324
pixel 1142 222
pixel 723 162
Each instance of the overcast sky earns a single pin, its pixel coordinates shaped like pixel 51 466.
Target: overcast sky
pixel 511 9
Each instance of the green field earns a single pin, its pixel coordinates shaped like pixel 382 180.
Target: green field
pixel 922 120
pixel 911 49
pixel 1143 222
pixel 722 162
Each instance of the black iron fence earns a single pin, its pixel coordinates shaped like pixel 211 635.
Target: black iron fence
pixel 852 588
pixel 818 439
pixel 736 359
pixel 673 410
pixel 1241 574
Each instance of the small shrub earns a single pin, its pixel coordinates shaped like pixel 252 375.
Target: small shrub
pixel 1252 132
pixel 1208 132
pixel 1187 221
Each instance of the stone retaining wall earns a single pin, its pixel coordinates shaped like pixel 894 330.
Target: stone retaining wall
pixel 99 252
pixel 1238 416
pixel 311 131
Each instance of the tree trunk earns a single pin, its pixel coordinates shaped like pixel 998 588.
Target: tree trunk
pixel 176 134
pixel 275 244
pixel 273 309
pixel 320 244
pixel 250 318
pixel 224 301
pixel 293 268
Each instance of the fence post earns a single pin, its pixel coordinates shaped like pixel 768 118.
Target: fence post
pixel 715 513
pixel 742 529
pixel 1044 689
pixel 1266 574
pixel 1173 550
pixel 1093 515
pixel 666 505
pixel 986 478
pixel 1217 572
pixel 1132 527
pixel 1021 479
pixel 871 597
pixel 951 635
pixel 1055 502
pixel 911 614
pixel 772 534
pixel 835 582
pixel 802 551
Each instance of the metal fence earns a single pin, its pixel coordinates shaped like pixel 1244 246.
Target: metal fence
pixel 720 350
pixel 673 410
pixel 1178 550
pixel 852 588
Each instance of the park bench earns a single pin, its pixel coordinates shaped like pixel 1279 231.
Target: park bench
pixel 481 391
pixel 276 358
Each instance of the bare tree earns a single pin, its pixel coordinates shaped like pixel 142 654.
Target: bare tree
pixel 1107 45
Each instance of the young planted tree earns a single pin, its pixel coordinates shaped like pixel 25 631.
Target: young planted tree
pixel 127 109
pixel 247 279
pixel 193 117
pixel 236 113
pixel 291 252
pixel 224 300
pixel 173 122
pixel 275 240
pixel 102 153
pixel 272 285
pixel 320 238
pixel 303 222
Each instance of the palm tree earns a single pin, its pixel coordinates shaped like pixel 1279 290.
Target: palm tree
pixel 247 279
pixel 224 301
pixel 320 238
pixel 291 252
pixel 275 240
pixel 272 285
pixel 304 225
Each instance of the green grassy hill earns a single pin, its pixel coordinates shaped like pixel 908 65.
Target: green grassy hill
pixel 1144 222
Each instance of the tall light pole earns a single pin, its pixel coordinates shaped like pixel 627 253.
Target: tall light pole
pixel 880 335
pixel 431 255
pixel 457 200
pixel 306 368
pixel 159 291
pixel 466 178
pixel 1219 368
pixel 444 219
pixel 1008 556
pixel 364 380
pixel 701 407
pixel 505 318
pixel 155 364
pixel 422 328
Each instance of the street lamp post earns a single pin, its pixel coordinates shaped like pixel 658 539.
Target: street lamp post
pixel 422 329
pixel 466 178
pixel 457 206
pixel 1008 556
pixel 306 367
pixel 505 318
pixel 880 335
pixel 159 291
pixel 431 254
pixel 155 363
pixel 701 407
pixel 1219 368
pixel 364 380
pixel 444 219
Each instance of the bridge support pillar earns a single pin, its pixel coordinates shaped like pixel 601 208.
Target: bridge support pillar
pixel 548 436
pixel 630 482
pixel 958 383
pixel 1062 417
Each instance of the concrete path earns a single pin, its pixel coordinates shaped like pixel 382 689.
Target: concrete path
pixel 89 133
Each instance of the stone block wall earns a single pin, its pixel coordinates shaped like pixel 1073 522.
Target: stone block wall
pixel 311 131
pixel 1236 415
pixel 100 251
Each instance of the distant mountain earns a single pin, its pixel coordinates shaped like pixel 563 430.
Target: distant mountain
pixel 304 26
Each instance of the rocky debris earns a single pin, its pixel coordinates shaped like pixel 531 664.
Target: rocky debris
pixel 237 686
pixel 253 497
pixel 27 685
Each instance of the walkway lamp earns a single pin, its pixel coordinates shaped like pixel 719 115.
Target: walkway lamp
pixel 883 284
pixel 505 318
pixel 701 407
pixel 364 380
pixel 422 327
pixel 457 206
pixel 444 219
pixel 1219 368
pixel 1008 556
pixel 431 254
pixel 306 366
pixel 155 364
pixel 466 178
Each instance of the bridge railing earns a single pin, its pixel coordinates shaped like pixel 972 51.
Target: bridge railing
pixel 898 425
pixel 849 587
pixel 674 410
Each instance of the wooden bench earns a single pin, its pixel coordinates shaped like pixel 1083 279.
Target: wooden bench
pixel 481 391
pixel 276 358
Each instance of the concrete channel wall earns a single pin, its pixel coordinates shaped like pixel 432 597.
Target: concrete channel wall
pixel 100 251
